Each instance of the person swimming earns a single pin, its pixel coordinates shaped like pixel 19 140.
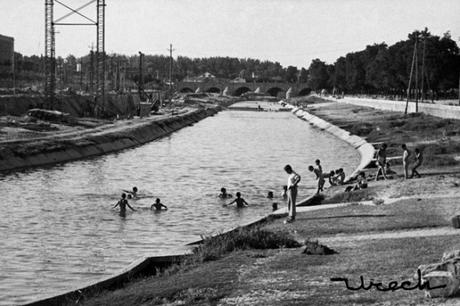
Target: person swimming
pixel 240 202
pixel 133 192
pixel 270 195
pixel 123 203
pixel 158 205
pixel 223 193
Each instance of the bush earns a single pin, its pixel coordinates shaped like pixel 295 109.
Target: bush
pixel 242 239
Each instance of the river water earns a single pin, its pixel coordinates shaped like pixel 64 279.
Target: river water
pixel 58 231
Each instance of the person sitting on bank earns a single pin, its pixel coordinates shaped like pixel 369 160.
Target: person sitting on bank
pixel 331 177
pixel 123 203
pixel 360 184
pixel 339 176
pixel 418 162
pixel 223 194
pixel 158 205
pixel 240 202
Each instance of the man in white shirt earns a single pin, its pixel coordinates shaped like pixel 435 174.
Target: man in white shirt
pixel 293 180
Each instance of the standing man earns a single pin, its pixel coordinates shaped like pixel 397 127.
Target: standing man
pixel 405 160
pixel 293 180
pixel 381 161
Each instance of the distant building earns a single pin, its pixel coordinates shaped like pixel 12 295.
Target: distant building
pixel 6 54
pixel 201 78
pixel 238 80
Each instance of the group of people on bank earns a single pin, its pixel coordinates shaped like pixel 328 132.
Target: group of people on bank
pixel 409 161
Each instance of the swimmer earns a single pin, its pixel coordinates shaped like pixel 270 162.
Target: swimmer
pixel 123 203
pixel 223 193
pixel 270 195
pixel 157 205
pixel 240 202
pixel 133 192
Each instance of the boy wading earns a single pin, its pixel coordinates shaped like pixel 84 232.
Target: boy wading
pixel 293 180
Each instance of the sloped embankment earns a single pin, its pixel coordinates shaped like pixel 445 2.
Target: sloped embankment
pixel 100 141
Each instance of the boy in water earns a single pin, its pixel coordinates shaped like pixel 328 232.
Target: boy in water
pixel 319 177
pixel 223 193
pixel 123 203
pixel 381 161
pixel 240 202
pixel 418 162
pixel 157 205
pixel 293 181
pixel 405 160
pixel 284 193
pixel 133 193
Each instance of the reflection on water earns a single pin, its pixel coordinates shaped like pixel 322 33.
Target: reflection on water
pixel 59 231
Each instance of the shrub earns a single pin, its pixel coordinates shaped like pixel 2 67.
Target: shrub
pixel 242 239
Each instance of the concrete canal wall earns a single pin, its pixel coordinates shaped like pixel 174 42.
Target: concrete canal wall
pixel 365 149
pixel 438 110
pixel 99 142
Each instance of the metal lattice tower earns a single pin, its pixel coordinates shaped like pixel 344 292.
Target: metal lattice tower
pixel 100 54
pixel 50 56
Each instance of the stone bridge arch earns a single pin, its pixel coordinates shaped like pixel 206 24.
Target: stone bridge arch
pixel 214 89
pixel 304 91
pixel 241 90
pixel 275 91
pixel 186 90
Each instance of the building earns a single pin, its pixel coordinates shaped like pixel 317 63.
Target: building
pixel 6 54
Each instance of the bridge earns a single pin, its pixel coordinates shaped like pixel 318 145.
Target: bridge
pixel 274 89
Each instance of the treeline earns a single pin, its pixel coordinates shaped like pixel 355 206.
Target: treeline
pixel 385 70
pixel 378 69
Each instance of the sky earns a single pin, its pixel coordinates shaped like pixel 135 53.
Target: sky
pixel 292 32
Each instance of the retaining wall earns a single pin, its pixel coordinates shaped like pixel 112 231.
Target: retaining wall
pixel 365 149
pixel 51 151
pixel 438 110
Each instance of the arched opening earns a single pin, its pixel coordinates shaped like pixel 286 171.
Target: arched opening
pixel 275 91
pixel 186 90
pixel 305 92
pixel 213 90
pixel 240 91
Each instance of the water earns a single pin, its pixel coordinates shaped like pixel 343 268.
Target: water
pixel 58 231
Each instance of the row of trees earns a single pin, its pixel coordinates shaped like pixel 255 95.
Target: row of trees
pixel 383 69
pixel 378 69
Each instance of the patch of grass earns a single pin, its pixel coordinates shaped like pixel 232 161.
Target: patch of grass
pixel 242 239
pixel 404 214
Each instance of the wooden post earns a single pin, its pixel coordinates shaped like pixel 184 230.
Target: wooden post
pixel 410 77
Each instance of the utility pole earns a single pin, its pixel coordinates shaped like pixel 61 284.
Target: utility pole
pixel 170 71
pixel 416 75
pixel 141 75
pixel 423 66
pixel 410 77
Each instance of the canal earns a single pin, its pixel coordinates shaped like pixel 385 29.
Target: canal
pixel 58 230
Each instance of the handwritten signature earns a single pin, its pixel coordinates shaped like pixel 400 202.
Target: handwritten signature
pixel 392 285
